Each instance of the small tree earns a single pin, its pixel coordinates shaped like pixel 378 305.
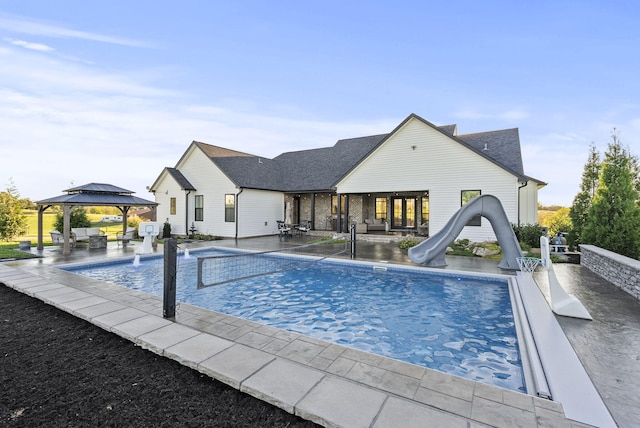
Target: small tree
pixel 613 221
pixel 77 218
pixel 582 202
pixel 166 229
pixel 13 222
pixel 559 222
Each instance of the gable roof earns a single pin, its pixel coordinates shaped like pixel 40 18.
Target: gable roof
pixel 219 152
pixel 318 170
pixel 97 194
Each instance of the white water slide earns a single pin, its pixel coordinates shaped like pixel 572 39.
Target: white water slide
pixel 431 252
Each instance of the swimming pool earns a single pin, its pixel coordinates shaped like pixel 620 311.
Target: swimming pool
pixel 462 325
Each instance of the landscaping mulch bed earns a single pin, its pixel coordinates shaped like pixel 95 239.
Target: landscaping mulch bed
pixel 59 370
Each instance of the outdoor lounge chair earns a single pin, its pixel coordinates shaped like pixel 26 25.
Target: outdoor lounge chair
pixel 126 236
pixel 56 237
pixel 283 229
pixel 304 227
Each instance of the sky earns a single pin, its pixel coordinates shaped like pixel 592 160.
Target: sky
pixel 114 92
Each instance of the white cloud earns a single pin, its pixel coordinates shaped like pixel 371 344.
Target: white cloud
pixel 64 123
pixel 29 45
pixel 22 25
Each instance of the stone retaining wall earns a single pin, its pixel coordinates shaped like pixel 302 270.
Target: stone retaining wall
pixel 622 271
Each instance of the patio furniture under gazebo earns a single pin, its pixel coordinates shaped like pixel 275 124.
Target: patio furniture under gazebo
pixel 90 195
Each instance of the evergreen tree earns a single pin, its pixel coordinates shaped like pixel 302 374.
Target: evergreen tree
pixel 613 221
pixel 13 222
pixel 582 202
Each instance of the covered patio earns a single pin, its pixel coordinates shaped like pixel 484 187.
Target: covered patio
pixel 90 195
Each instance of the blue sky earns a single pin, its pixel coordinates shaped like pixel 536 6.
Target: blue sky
pixel 115 91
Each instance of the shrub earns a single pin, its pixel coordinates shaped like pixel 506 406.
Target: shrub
pixel 528 233
pixel 77 218
pixel 460 248
pixel 405 244
pixel 525 247
pixel 166 230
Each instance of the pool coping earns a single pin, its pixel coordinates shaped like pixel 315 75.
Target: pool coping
pixel 326 383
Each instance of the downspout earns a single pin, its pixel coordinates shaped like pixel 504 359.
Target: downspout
pixel 526 183
pixel 238 211
pixel 186 213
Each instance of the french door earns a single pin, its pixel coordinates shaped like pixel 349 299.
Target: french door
pixel 404 213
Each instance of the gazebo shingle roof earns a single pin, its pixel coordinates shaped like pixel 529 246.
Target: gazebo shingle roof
pixel 96 194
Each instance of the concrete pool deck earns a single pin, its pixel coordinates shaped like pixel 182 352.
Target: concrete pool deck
pixel 339 386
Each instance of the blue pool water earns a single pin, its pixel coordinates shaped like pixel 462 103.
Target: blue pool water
pixel 460 325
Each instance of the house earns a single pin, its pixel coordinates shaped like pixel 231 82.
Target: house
pixel 411 180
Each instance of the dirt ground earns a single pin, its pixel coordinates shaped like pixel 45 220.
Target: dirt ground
pixel 58 370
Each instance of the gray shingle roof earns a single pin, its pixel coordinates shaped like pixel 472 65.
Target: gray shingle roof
pixel 97 194
pixel 180 179
pixel 502 146
pixel 251 171
pixel 321 169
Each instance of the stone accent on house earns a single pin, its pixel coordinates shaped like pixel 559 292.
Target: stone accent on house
pixel 356 209
pixel 622 271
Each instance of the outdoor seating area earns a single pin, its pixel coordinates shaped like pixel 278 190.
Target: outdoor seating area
pixel 83 234
pixel 286 230
pixel 375 224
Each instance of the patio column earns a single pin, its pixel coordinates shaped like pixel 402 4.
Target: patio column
pixel 66 229
pixel 313 211
pixel 338 211
pixel 346 214
pixel 40 218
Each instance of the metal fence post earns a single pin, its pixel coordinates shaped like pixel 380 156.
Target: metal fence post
pixel 353 240
pixel 170 264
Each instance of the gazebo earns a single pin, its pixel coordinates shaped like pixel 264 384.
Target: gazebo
pixel 92 194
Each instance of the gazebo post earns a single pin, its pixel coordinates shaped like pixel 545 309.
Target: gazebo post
pixel 66 221
pixel 41 209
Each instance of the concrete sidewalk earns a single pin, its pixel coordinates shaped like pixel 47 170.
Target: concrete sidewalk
pixel 320 381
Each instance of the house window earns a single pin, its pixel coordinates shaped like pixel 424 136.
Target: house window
pixel 466 196
pixel 199 214
pixel 172 206
pixel 425 210
pixel 230 207
pixel 334 204
pixel 381 208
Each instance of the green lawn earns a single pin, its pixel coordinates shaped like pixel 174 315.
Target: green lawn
pixel 9 251
pixel 48 219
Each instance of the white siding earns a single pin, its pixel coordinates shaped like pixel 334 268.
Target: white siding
pixel 210 182
pixel 420 158
pixel 167 188
pixel 529 203
pixel 258 211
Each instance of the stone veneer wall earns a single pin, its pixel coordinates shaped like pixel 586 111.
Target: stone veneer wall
pixel 622 271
